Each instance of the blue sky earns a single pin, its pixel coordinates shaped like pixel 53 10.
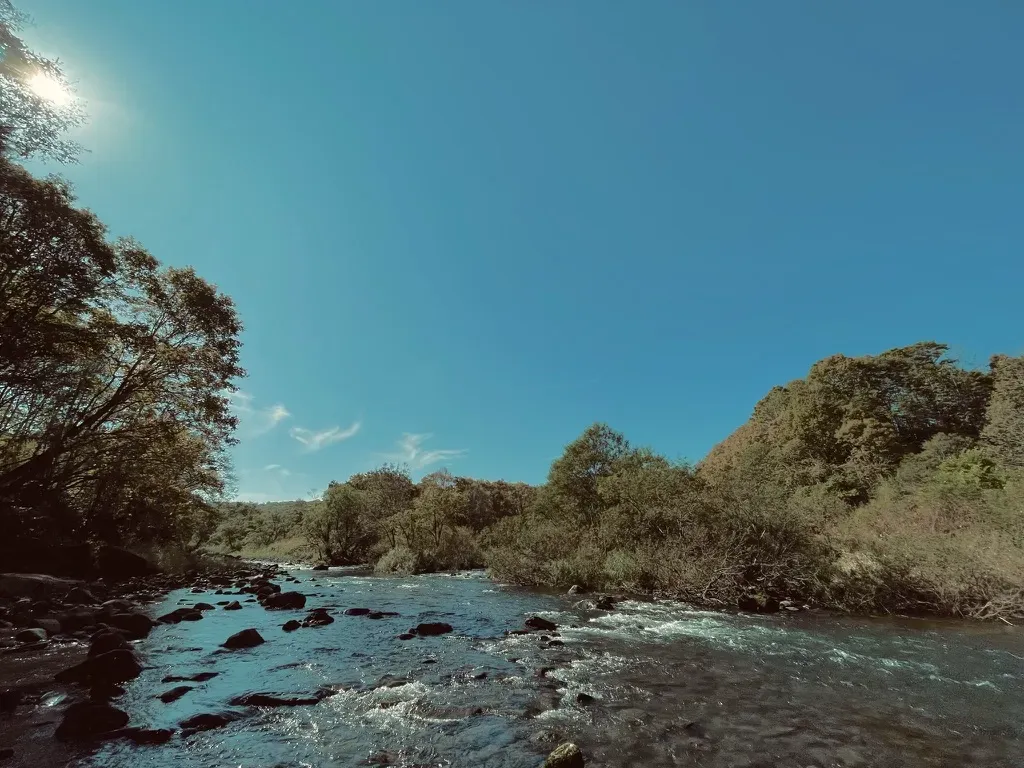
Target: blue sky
pixel 458 232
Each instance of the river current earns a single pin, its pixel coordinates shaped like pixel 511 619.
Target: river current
pixel 646 684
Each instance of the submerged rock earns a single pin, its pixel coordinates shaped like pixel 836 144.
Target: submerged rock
pixel 247 638
pixel 275 700
pixel 206 722
pixel 566 755
pixel 201 677
pixel 432 628
pixel 90 720
pixel 174 694
pixel 356 611
pixel 536 622
pixel 143 735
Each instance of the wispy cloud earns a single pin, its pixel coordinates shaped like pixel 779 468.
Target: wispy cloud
pixel 411 452
pixel 277 468
pixel 314 441
pixel 256 421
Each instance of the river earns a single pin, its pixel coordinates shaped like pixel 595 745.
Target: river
pixel 648 684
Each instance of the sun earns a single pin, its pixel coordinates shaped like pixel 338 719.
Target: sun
pixel 50 89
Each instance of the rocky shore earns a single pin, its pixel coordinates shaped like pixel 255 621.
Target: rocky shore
pixel 67 649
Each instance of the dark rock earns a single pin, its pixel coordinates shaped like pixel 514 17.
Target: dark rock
pixel 6 754
pixel 107 640
pixel 695 730
pixel 197 590
pixel 10 699
pixel 34 585
pixel 143 735
pixel 247 638
pixel 291 625
pixel 89 720
pixel 318 617
pixel 35 635
pixel 604 603
pixel 77 620
pixel 233 606
pixel 180 615
pixel 543 671
pixel 52 626
pixel 381 614
pixel 406 636
pixel 536 622
pixel 285 601
pixel 175 693
pixel 201 677
pixel 555 644
pixel 432 629
pixel 206 722
pixel 273 700
pixel 80 596
pixel 135 626
pixel 357 611
pixel 584 699
pixel 320 567
pixel 758 603
pixel 113 667
pixel 118 565
pixel 566 755
pixel 480 676
pixel 203 607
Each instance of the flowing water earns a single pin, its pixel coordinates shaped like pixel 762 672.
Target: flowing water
pixel 670 685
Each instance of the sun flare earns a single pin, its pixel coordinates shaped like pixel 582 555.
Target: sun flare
pixel 50 89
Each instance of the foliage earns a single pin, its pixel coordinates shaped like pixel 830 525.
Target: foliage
pixel 30 123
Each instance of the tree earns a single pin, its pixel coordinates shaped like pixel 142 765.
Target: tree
pixel 339 528
pixel 37 107
pixel 1004 428
pixel 573 478
pixel 390 492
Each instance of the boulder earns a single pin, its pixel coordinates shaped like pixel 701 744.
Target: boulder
pixel 81 596
pixel 432 629
pixel 76 620
pixel 356 611
pixel 318 617
pixel 604 603
pixel 247 638
pixel 536 622
pixel 381 614
pixel 34 635
pixel 35 585
pixel 107 640
pixel 110 667
pixel 203 607
pixel 291 625
pixel 566 755
pixel 234 605
pixel 118 565
pixel 179 615
pixel 285 601
pixel 321 567
pixel 89 720
pixel 134 626
pixel 406 636
pixel 174 693
pixel 52 626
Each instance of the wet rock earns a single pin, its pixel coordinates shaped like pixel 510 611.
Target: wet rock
pixel 285 601
pixel 432 629
pixel 291 625
pixel 566 755
pixel 247 638
pixel 6 754
pixel 274 700
pixel 180 615
pixel 555 644
pixel 234 605
pixel 143 735
pixel 175 693
pixel 34 585
pixel 406 636
pixel 107 640
pixel 320 567
pixel 318 617
pixel 118 606
pixel 758 603
pixel 536 622
pixel 201 677
pixel 110 667
pixel 695 730
pixel 604 603
pixel 584 699
pixel 135 626
pixel 89 720
pixel 35 635
pixel 81 596
pixel 197 590
pixel 357 611
pixel 203 607
pixel 9 700
pixel 206 722
pixel 118 565
pixel 543 671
